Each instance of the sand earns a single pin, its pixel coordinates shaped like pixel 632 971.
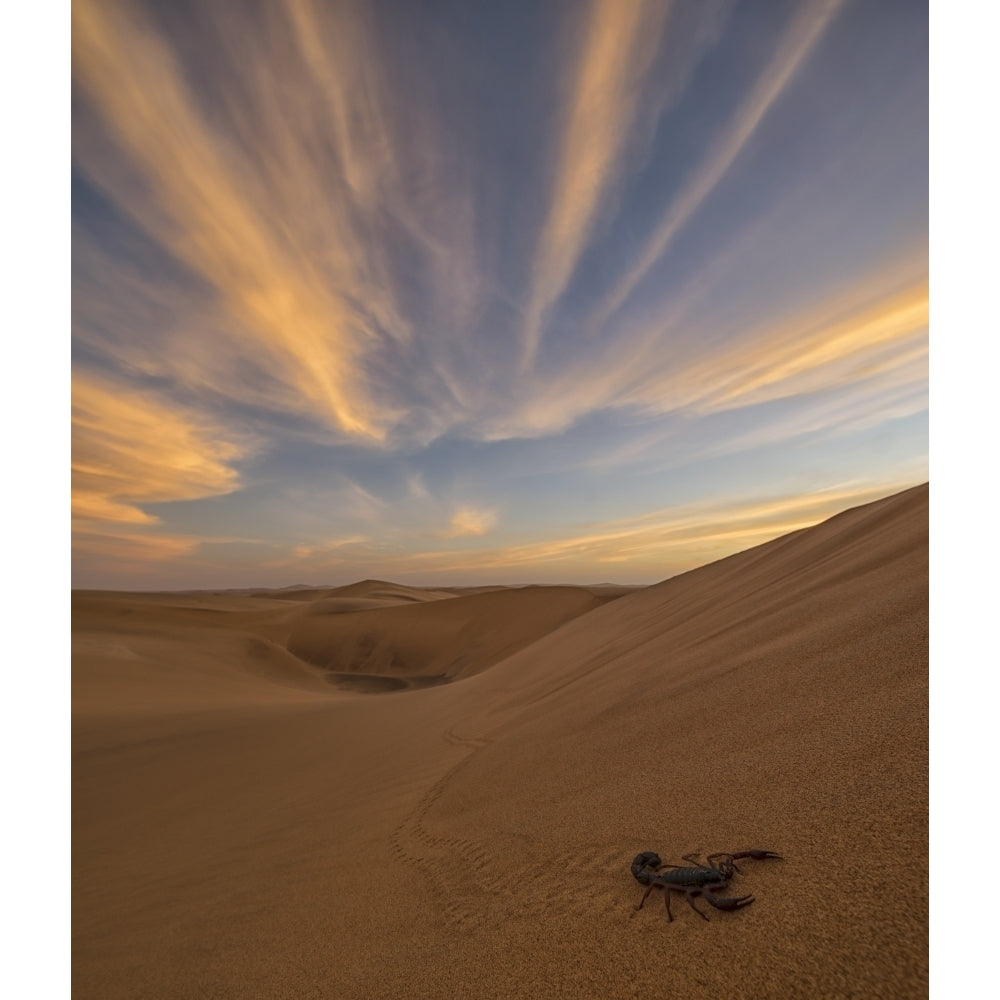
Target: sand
pixel 463 825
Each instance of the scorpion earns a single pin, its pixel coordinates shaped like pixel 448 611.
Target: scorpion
pixel 699 880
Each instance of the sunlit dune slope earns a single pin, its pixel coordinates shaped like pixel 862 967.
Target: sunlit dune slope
pixel 775 699
pixel 474 839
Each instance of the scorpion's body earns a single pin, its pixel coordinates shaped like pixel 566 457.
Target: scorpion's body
pixel 697 880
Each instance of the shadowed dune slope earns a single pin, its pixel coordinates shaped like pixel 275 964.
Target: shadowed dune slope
pixel 474 839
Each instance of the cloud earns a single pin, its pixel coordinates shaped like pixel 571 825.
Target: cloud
pixel 293 220
pixel 655 544
pixel 635 61
pixel 812 352
pixel 823 417
pixel 793 49
pixel 132 552
pixel 324 549
pixel 470 522
pixel 677 530
pixel 131 448
pixel 865 331
pixel 620 42
pixel 280 243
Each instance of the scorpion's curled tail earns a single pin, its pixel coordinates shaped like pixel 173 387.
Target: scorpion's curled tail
pixel 645 865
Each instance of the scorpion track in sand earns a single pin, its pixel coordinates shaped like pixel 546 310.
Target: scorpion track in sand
pixel 472 891
pixel 456 869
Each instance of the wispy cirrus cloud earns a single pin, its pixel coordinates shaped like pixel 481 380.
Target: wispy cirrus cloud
pixel 821 417
pixel 326 549
pixel 131 553
pixel 635 60
pixel 130 449
pixel 654 544
pixel 872 328
pixel 619 44
pixel 799 40
pixel 811 352
pixel 275 211
pixel 394 242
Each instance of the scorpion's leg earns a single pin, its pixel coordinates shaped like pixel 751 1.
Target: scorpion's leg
pixel 666 903
pixel 652 886
pixel 693 859
pixel 689 896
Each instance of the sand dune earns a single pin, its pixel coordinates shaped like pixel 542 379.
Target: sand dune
pixel 447 639
pixel 381 591
pixel 243 828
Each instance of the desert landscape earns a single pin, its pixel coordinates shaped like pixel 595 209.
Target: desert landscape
pixel 385 791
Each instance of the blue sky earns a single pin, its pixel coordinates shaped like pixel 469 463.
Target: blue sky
pixel 489 293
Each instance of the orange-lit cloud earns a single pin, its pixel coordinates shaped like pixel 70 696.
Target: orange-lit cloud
pixel 861 332
pixel 339 229
pixel 666 541
pixel 718 526
pixel 130 550
pixel 469 521
pixel 130 449
pixel 812 352
pixel 805 30
pixel 619 44
pixel 304 292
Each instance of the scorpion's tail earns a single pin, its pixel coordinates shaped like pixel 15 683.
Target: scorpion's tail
pixel 644 866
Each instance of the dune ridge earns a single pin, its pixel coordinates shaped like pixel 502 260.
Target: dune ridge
pixel 473 838
pixel 194 650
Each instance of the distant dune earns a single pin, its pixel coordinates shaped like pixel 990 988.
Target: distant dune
pixel 383 791
pixel 446 639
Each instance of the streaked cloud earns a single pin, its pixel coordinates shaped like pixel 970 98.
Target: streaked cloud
pixel 324 549
pixel 279 243
pixel 721 526
pixel 843 412
pixel 373 276
pixel 806 28
pixel 619 43
pixel 131 550
pixel 656 542
pixel 806 354
pixel 131 449
pixel 854 335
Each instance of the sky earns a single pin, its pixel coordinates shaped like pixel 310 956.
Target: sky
pixel 560 291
